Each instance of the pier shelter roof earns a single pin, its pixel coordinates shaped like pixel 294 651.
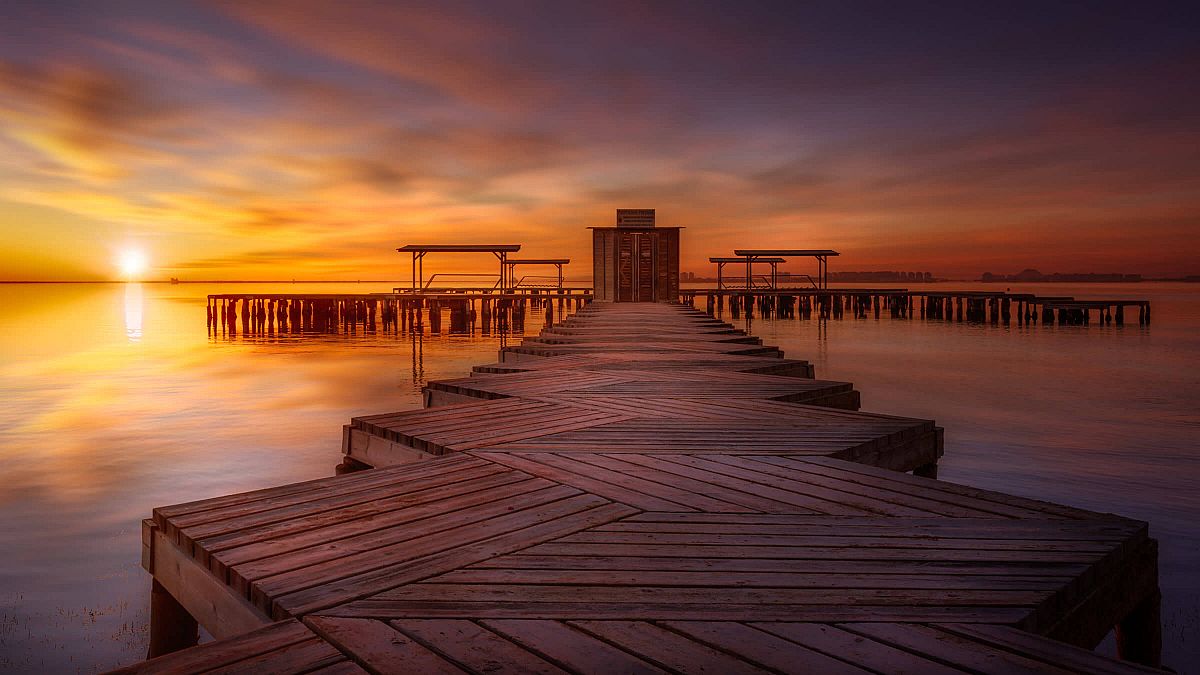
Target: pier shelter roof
pixel 738 260
pixel 748 260
pixel 460 248
pixel 821 254
pixel 558 263
pixel 786 252
pixel 419 251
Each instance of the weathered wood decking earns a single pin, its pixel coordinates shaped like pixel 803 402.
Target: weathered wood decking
pixel 637 506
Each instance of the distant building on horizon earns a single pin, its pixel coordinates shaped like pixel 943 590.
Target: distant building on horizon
pixel 884 276
pixel 1032 275
pixel 844 277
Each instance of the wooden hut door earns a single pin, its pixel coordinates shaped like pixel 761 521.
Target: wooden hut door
pixel 625 267
pixel 645 268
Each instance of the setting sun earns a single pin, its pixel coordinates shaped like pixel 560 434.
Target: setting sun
pixel 132 262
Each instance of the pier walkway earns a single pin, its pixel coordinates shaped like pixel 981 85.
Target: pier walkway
pixel 618 496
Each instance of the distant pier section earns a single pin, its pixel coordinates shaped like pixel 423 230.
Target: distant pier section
pixel 763 292
pixel 996 307
pixel 638 261
pixel 470 299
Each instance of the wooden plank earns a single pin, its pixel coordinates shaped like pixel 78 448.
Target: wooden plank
pixel 264 640
pixel 530 561
pixel 898 578
pixel 373 550
pixel 617 487
pixel 648 611
pixel 869 654
pixel 302 657
pixel 476 648
pixel 176 511
pixel 761 648
pixel 952 649
pixel 570 648
pixel 379 647
pixel 664 648
pixel 344 590
pixel 912 553
pixel 400 525
pixel 710 596
pixel 266 515
pixel 379 508
pixel 1049 651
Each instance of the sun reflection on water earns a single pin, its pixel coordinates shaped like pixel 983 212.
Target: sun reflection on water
pixel 133 312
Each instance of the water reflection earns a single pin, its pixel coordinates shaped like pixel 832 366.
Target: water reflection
pixel 133 311
pixel 94 434
pixel 418 358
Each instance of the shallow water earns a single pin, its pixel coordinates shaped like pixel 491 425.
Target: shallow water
pixel 117 400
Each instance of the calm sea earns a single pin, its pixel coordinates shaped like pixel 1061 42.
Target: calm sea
pixel 116 400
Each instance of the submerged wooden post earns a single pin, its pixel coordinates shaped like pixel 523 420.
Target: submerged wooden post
pixel 171 626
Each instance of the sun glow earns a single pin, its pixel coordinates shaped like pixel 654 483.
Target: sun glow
pixel 132 263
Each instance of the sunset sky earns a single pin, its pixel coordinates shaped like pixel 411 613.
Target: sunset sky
pixel 294 139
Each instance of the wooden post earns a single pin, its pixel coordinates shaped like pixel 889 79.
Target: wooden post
pixel 171 626
pixel 1139 635
pixel 926 470
pixel 349 465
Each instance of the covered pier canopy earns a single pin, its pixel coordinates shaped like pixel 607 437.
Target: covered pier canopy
pixel 722 262
pixel 821 254
pixel 511 263
pixel 418 251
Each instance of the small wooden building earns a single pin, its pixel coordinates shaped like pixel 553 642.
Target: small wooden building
pixel 635 261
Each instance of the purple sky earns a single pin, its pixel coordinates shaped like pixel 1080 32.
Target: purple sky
pixel 309 139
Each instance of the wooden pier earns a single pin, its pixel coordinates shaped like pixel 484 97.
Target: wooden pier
pixel 298 313
pixel 466 309
pixel 995 307
pixel 618 496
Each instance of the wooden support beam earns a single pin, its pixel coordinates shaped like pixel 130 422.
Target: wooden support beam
pixel 929 470
pixel 1139 634
pixel 190 594
pixel 171 626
